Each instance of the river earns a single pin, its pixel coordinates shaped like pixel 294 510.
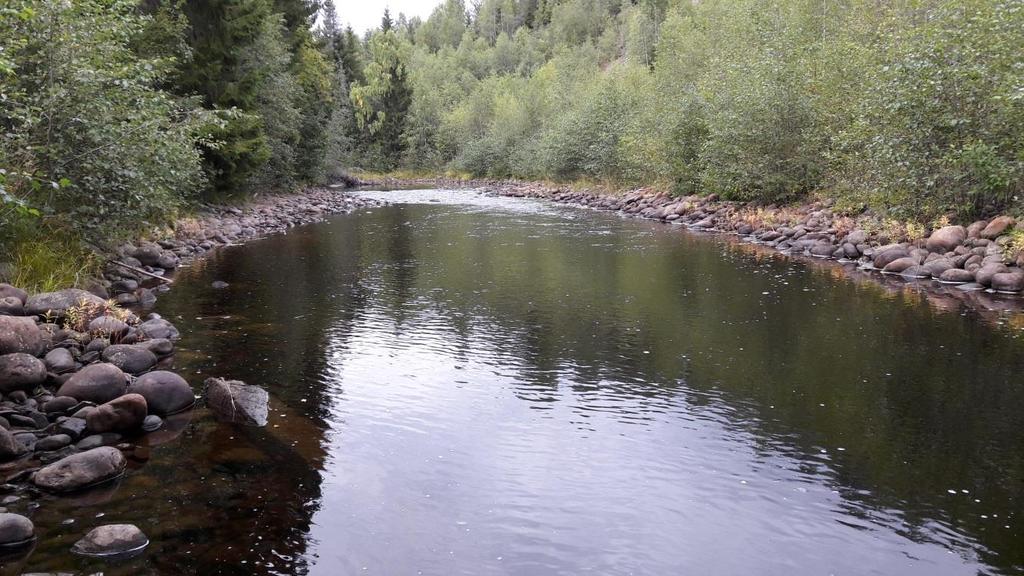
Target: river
pixel 469 385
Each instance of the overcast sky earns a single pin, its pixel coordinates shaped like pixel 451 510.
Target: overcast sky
pixel 366 14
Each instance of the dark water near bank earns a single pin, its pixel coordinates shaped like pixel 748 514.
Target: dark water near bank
pixel 503 387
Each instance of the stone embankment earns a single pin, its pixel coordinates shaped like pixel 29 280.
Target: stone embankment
pixel 84 378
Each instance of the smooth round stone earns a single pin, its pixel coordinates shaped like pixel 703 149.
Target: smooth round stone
pixel 152 423
pixel 55 442
pixel 165 392
pixel 81 470
pixel 111 540
pixel 96 383
pixel 15 530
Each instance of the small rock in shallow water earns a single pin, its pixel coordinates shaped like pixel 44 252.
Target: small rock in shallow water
pixel 98 440
pixel 120 414
pixel 15 530
pixel 81 470
pixel 219 285
pixel 152 423
pixel 111 540
pixel 235 401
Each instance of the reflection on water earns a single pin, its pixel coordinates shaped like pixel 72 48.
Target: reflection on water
pixel 480 386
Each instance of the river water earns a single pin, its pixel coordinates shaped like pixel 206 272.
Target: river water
pixel 467 385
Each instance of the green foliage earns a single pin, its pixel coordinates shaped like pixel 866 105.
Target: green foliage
pixel 382 102
pixel 83 111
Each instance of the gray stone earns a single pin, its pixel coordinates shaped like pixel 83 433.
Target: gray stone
pixel 108 327
pixel 10 447
pixel 884 257
pixel 81 470
pixel 11 306
pixel 55 442
pixel 57 303
pixel 984 275
pixel 97 383
pixel 98 440
pixel 21 334
pixel 956 276
pixel 8 291
pixel 159 328
pixel 21 371
pixel 130 358
pixel 111 540
pixel 120 414
pixel 59 361
pixel 73 427
pixel 1008 281
pixel 235 401
pixel 165 392
pixel 158 346
pixel 152 423
pixel 15 530
pixel 900 264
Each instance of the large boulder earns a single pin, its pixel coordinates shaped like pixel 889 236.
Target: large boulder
pixel 18 334
pixel 97 383
pixel 235 401
pixel 129 358
pixel 21 371
pixel 111 540
pixel 165 392
pixel 946 238
pixel 120 414
pixel 58 303
pixel 81 470
pixel 15 530
pixel 158 328
pixel 996 227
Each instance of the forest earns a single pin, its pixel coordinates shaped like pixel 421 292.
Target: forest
pixel 120 115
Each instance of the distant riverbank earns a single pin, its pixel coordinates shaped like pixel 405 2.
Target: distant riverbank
pixel 979 263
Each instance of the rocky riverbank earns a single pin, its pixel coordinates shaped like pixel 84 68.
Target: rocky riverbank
pixel 985 257
pixel 84 375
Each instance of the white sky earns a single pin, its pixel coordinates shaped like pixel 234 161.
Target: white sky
pixel 366 14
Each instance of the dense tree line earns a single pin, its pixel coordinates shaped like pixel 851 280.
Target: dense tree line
pixel 115 114
pixel 915 107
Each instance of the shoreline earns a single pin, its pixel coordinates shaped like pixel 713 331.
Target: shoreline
pixel 85 378
pixel 978 265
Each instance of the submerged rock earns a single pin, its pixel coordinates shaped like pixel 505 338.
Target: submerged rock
pixel 111 540
pixel 81 470
pixel 159 328
pixel 235 401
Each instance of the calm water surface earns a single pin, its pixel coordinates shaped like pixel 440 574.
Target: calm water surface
pixel 479 386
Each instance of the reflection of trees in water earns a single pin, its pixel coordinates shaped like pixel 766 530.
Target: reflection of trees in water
pixel 921 401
